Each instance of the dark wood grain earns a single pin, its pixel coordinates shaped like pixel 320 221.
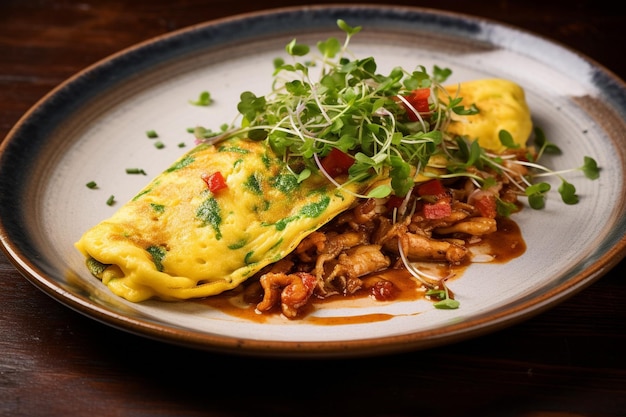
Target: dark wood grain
pixel 567 361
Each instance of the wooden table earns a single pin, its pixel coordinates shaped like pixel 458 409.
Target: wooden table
pixel 570 360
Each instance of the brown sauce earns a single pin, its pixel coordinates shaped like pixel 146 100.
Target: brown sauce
pixel 506 244
pixel 502 246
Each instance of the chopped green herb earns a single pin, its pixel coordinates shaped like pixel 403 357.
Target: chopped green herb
pixel 159 208
pixel 209 213
pixel 96 267
pixel 135 171
pixel 285 183
pixel 152 134
pixel 157 253
pixel 248 258
pixel 238 245
pixel 159 145
pixel 253 183
pixel 181 164
pixel 181 145
pixel 92 185
pixel 111 201
pixel 142 193
pixel 282 223
pixel 315 209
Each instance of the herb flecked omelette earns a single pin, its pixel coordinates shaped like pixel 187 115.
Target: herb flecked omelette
pixel 177 239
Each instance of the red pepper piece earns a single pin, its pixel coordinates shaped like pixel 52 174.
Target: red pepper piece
pixel 442 205
pixel 337 162
pixel 486 205
pixel 418 99
pixel 432 187
pixel 215 181
pixel 439 210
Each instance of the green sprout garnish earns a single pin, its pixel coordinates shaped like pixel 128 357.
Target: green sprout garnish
pixel 537 192
pixel 204 99
pixel 352 107
pixel 443 295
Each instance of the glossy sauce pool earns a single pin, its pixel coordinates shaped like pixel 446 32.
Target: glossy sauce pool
pixel 502 246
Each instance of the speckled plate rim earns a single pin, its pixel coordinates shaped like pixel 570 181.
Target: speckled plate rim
pixel 18 166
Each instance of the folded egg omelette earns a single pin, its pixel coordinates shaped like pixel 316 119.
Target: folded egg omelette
pixel 177 239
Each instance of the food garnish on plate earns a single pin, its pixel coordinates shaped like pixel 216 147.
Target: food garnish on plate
pixel 336 177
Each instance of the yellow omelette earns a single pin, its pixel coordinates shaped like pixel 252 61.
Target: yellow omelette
pixel 502 106
pixel 177 239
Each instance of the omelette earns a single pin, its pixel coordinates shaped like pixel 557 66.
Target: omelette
pixel 502 106
pixel 179 238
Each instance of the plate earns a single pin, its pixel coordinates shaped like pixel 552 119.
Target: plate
pixel 93 126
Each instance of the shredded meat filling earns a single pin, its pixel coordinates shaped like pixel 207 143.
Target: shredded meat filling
pixel 291 290
pixel 343 255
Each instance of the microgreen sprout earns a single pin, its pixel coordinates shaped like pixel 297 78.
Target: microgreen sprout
pixel 465 155
pixel 352 107
pixel 443 295
pixel 204 99
pixel 537 192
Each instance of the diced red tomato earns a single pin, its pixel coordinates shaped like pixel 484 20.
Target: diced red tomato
pixel 337 162
pixel 215 181
pixel 438 210
pixel 419 101
pixel 486 205
pixel 432 187
pixel 442 205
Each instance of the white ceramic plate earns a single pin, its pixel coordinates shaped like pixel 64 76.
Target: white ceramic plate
pixel 92 127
